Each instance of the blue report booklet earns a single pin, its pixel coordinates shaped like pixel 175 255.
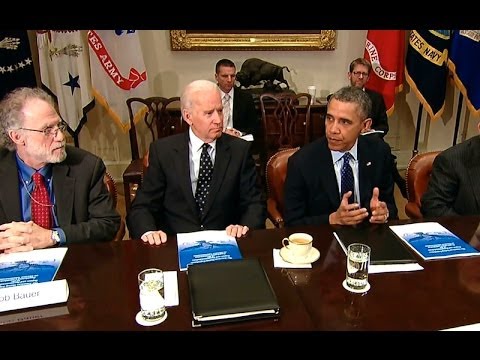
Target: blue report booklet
pixel 431 241
pixel 206 246
pixel 31 267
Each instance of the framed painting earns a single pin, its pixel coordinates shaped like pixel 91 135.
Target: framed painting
pixel 305 40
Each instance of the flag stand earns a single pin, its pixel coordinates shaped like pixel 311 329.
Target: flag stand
pixel 417 130
pixel 457 120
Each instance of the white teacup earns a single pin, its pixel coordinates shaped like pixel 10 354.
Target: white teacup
pixel 298 244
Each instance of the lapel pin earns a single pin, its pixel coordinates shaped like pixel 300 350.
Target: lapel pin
pixel 369 163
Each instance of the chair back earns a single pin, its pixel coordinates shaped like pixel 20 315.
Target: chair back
pixel 275 176
pixel 285 120
pixel 112 189
pixel 161 117
pixel 418 175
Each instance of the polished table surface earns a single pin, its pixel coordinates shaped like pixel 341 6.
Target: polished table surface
pixel 104 291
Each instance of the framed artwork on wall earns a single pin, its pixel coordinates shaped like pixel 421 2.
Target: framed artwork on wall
pixel 304 40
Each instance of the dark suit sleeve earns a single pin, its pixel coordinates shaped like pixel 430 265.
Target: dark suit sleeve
pixel 386 183
pixel 103 219
pixel 379 114
pixel 253 211
pixel 147 208
pixel 441 193
pixel 296 196
pixel 247 121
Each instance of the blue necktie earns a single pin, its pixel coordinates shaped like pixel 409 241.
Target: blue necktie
pixel 347 177
pixel 204 178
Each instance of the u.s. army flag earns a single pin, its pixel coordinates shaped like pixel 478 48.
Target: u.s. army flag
pixel 118 71
pixel 65 72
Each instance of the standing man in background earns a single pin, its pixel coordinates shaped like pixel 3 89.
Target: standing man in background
pixel 51 194
pixel 240 116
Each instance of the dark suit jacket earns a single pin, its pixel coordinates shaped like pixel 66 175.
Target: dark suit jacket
pixel 245 116
pixel 311 190
pixel 165 199
pixel 379 112
pixel 454 187
pixel 83 205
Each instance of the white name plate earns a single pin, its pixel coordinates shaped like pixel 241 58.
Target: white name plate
pixel 25 296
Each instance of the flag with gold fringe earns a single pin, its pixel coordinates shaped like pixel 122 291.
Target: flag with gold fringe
pixel 464 63
pixel 118 71
pixel 426 68
pixel 65 73
pixel 385 49
pixel 16 65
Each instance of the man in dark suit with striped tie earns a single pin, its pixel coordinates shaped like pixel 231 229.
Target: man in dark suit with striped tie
pixel 342 178
pixel 241 116
pixel 454 186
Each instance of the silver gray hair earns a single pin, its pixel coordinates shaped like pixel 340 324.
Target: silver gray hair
pixel 12 115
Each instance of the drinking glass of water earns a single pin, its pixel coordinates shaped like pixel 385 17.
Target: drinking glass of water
pixel 152 295
pixel 358 260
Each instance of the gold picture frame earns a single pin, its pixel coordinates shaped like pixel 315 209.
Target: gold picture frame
pixel 304 40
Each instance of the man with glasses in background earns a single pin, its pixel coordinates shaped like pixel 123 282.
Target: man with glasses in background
pixel 358 74
pixel 51 194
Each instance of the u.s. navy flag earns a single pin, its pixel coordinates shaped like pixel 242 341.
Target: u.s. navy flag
pixel 16 65
pixel 386 51
pixel 65 72
pixel 426 68
pixel 118 71
pixel 464 63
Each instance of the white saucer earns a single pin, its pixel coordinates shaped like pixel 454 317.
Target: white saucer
pixel 312 256
pixel 141 321
pixel 364 290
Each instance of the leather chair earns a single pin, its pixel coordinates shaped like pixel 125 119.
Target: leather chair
pixel 112 189
pixel 161 117
pixel 275 176
pixel 419 170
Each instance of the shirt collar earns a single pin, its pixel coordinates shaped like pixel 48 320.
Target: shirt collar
pixel 229 93
pixel 26 172
pixel 337 155
pixel 196 143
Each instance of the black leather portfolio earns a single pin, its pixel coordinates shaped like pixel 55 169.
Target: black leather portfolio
pixel 385 247
pixel 233 290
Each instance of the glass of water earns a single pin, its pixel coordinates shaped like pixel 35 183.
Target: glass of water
pixel 152 295
pixel 358 260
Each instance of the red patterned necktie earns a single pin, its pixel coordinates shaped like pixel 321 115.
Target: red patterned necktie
pixel 41 205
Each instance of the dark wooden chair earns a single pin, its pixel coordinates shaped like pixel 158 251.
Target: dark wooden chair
pixel 419 170
pixel 161 117
pixel 276 174
pixel 285 122
pixel 112 189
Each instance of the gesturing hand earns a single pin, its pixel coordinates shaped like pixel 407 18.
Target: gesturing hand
pixel 348 214
pixel 379 208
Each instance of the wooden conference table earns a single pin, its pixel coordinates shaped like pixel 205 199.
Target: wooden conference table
pixel 104 292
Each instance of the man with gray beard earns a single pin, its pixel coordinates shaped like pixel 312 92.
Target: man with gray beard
pixel 51 194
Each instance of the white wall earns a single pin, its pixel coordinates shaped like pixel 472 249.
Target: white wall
pixel 169 71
